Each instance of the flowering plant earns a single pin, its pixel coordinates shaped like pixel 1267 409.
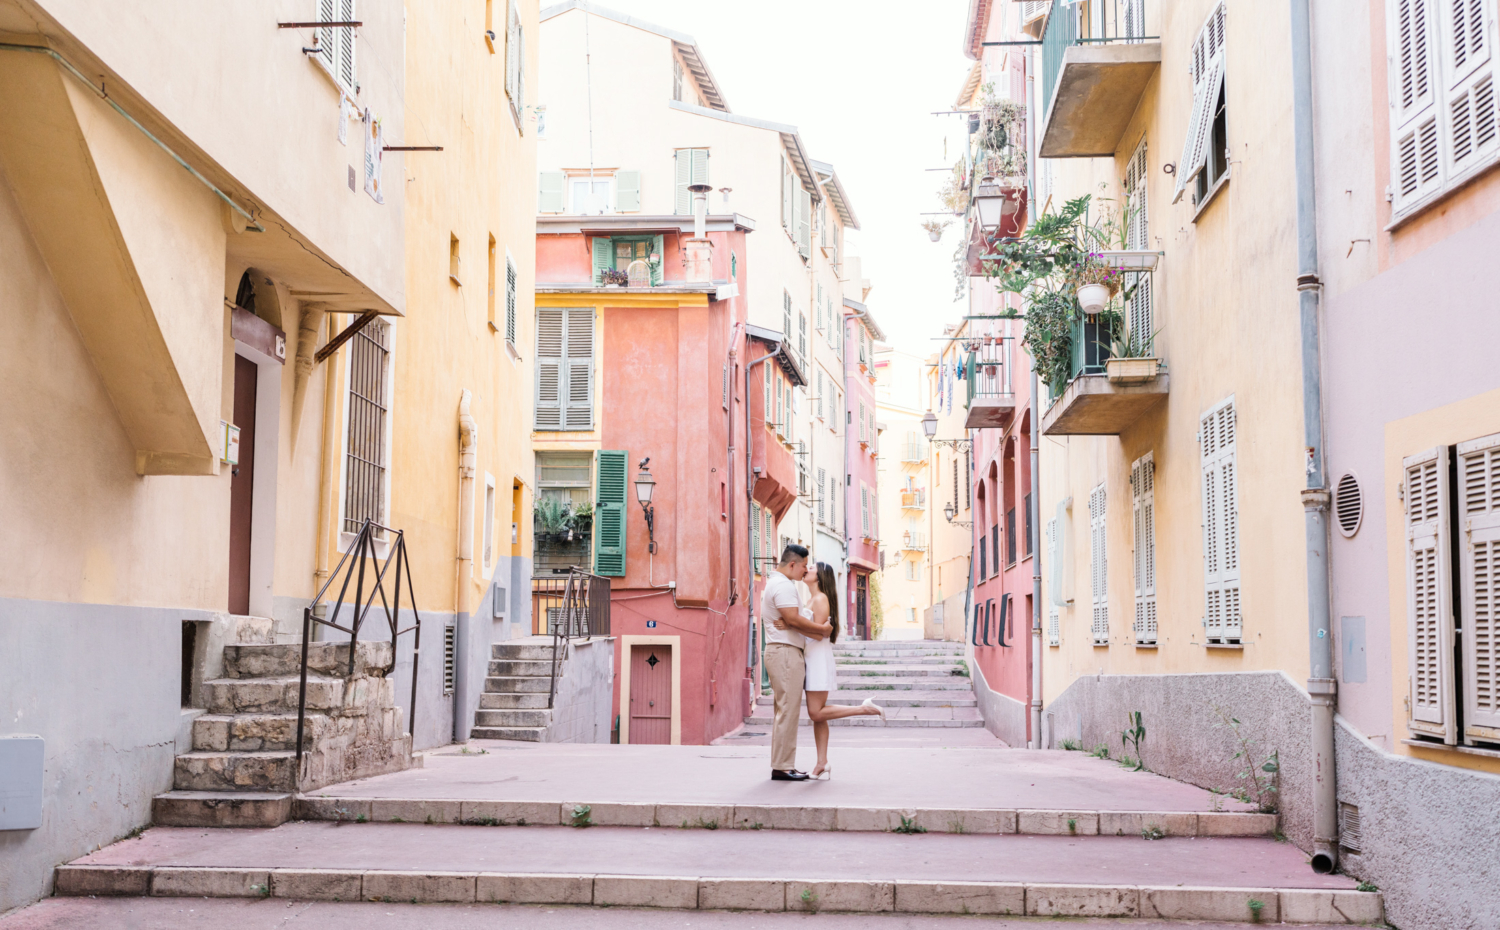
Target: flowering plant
pixel 614 276
pixel 1092 269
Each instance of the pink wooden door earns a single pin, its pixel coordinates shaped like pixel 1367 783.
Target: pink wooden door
pixel 651 695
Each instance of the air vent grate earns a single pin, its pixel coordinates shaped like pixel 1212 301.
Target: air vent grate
pixel 450 646
pixel 1349 835
pixel 1349 505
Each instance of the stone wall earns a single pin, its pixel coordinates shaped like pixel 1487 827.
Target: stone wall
pixel 1429 835
pixel 1004 716
pixel 585 693
pixel 1185 738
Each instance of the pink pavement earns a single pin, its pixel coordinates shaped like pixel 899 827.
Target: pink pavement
pixel 930 773
pixel 785 854
pixel 238 914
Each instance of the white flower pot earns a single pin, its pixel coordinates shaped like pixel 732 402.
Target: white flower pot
pixel 934 234
pixel 1093 298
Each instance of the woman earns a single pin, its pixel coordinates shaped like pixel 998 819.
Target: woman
pixel 821 670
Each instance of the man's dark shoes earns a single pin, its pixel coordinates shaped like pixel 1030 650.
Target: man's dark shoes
pixel 778 775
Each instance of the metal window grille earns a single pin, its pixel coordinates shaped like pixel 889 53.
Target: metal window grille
pixel 365 450
pixel 1027 505
pixel 510 301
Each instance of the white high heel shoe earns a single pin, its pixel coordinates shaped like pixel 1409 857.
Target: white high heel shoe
pixel 870 702
pixel 826 774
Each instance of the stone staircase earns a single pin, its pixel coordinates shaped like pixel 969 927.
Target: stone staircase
pixel 242 770
pixel 514 703
pixel 920 683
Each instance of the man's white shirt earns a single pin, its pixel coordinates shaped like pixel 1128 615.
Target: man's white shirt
pixel 780 592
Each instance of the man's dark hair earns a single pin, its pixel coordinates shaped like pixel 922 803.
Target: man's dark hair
pixel 793 551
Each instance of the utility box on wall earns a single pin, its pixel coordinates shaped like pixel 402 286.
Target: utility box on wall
pixel 21 767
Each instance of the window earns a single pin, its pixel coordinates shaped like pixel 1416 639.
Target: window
pixel 1443 109
pixel 336 45
pixel 620 252
pixel 1434 496
pixel 995 547
pixel 590 196
pixel 788 198
pixel 786 316
pixel 515 63
pixel 676 80
pixel 455 261
pixel 1138 325
pixel 802 336
pixel 913 570
pixel 1010 537
pixel 1026 509
pixel 734 266
pixel 863 437
pixel 1221 547
pixel 691 168
pixel 822 495
pixel 565 369
pixel 1099 566
pixel 1143 510
pixel 818 400
pixel 510 300
pixel 489 521
pixel 1203 160
pixel 983 554
pixel 864 510
pixel 366 444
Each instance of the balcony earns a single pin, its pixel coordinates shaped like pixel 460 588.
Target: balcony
pixel 914 500
pixel 913 452
pixel 1103 396
pixel 1096 62
pixel 991 404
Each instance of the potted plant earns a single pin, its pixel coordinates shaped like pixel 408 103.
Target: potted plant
pixel 583 518
pixel 552 519
pixel 614 277
pixel 1096 282
pixel 934 228
pixel 1132 359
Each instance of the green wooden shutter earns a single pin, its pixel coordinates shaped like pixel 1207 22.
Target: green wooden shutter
pixel 550 197
pixel 969 380
pixel 682 198
pixel 609 514
pixel 627 191
pixel 658 247
pixel 604 257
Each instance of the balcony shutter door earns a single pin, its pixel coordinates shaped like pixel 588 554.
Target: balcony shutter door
pixel 818 400
pixel 861 421
pixel 786 316
pixel 326 48
pixel 767 411
pixel 609 515
pixel 700 168
pixel 579 412
pixel 550 196
pixel 1429 597
pixel 658 248
pixel 1143 504
pixel 1208 80
pixel 682 198
pixel 1479 595
pixel 786 195
pixel 1471 92
pixel 549 369
pixel 1098 566
pixel 604 257
pixel 804 222
pixel 864 510
pixel 346 72
pixel 1221 568
pixel 627 191
pixel 802 336
pixel 755 536
pixel 822 481
pixel 1416 155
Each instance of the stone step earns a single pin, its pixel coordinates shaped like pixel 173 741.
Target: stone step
pixel 235 771
pixel 513 718
pixel 888 683
pixel 507 685
pixel 523 649
pixel 896 720
pixel 256 732
pixel 247 629
pixel 899 671
pixel 520 668
pixel 930 647
pixel 528 734
pixel 279 695
pixel 491 700
pixel 894 699
pixel 863 661
pixel 325 659
pixel 221 808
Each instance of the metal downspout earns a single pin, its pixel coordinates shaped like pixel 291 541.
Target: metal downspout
pixel 1321 686
pixel 1036 487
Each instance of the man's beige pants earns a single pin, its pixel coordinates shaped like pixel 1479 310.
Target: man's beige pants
pixel 787 671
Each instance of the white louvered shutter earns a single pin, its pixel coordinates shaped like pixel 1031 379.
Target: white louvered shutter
pixel 579 413
pixel 822 495
pixel 1221 553
pixel 346 50
pixel 804 222
pixel 510 300
pixel 1099 565
pixel 864 509
pixel 1479 592
pixel 787 219
pixel 550 192
pixel 1208 80
pixel 1429 595
pixel 1054 631
pixel 1468 37
pixel 1138 323
pixel 682 198
pixel 627 191
pixel 549 369
pixel 1143 507
pixel 755 536
pixel 1416 152
pixel 513 56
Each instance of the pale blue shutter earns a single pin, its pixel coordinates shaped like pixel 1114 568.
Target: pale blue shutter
pixel 579 410
pixel 682 198
pixel 549 364
pixel 627 191
pixel 700 168
pixel 550 192
pixel 604 257
pixel 658 248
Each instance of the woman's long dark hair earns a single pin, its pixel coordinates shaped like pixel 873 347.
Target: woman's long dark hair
pixel 829 586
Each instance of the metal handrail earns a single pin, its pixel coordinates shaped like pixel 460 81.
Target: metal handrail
pixel 364 549
pixel 585 614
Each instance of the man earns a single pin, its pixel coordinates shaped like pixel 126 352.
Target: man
pixel 783 657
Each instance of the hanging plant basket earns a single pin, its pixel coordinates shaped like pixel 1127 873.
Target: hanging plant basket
pixel 1093 298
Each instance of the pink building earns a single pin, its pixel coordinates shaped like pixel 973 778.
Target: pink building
pixel 860 449
pixel 654 369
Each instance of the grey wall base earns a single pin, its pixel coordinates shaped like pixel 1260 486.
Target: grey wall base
pixel 1429 835
pixel 1185 737
pixel 585 694
pixel 1003 716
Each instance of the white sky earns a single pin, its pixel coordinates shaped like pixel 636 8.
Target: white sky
pixel 859 79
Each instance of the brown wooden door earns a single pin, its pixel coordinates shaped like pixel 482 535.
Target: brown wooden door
pixel 651 695
pixel 862 605
pixel 241 486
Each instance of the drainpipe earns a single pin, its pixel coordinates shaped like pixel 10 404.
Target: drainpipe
pixel 468 442
pixel 1036 579
pixel 734 354
pixel 1321 686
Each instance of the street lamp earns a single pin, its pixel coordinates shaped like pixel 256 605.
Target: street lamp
pixel 644 486
pixel 950 511
pixel 990 201
pixel 930 426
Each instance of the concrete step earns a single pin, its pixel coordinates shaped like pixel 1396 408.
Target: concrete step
pixel 863 661
pixel 247 629
pixel 521 668
pixel 235 771
pixel 749 868
pixel 912 648
pixel 889 683
pixel 895 719
pixel 513 718
pixel 491 700
pixel 898 671
pixel 256 732
pixel 528 734
pixel 539 649
pixel 507 685
pixel 325 659
pixel 894 699
pixel 221 808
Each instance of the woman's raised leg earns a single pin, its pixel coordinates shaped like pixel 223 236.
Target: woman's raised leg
pixel 816 704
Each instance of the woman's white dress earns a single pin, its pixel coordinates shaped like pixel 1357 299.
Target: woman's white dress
pixel 817 655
